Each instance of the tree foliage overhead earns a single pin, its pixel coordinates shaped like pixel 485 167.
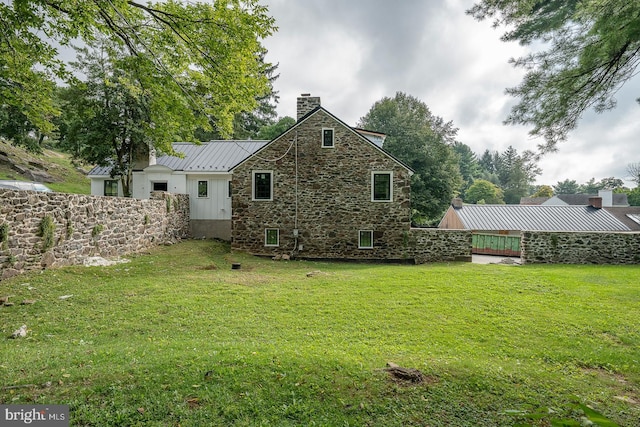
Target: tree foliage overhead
pixel 423 141
pixel 206 55
pixel 106 118
pixel 592 49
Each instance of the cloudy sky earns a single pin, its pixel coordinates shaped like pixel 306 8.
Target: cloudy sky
pixel 353 53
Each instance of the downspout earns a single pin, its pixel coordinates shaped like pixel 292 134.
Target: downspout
pixel 295 218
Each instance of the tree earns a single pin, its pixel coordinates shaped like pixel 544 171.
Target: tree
pixel 512 172
pixel 423 141
pixel 566 187
pixel 592 187
pixel 611 183
pixel 633 196
pixel 633 169
pixel 201 60
pixel 468 164
pixel 247 124
pixel 543 191
pixel 593 49
pixel 105 118
pixel 15 126
pixel 483 191
pixel 270 132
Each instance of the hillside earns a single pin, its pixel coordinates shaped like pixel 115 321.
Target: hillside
pixel 52 168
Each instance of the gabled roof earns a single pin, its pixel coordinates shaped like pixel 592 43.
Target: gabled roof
pixel 538 218
pixel 619 199
pixel 212 156
pixel 629 216
pixel 359 132
pixel 533 200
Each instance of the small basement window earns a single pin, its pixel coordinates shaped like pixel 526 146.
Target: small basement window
pixel 203 189
pixel 365 239
pixel 327 138
pixel 272 237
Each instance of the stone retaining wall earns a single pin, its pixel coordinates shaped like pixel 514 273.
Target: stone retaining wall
pixel 82 226
pixel 437 245
pixel 580 248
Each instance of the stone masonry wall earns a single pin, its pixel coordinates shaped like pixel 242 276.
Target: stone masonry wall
pixel 329 203
pixel 83 226
pixel 580 247
pixel 437 245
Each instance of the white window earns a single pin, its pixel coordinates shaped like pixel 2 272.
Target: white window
pixel 203 189
pixel 381 186
pixel 272 237
pixel 365 239
pixel 263 185
pixel 327 138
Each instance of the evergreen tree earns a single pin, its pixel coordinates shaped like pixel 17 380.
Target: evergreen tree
pixel 592 50
pixel 423 141
pixel 566 187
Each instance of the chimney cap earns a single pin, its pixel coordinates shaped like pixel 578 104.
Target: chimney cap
pixel 305 94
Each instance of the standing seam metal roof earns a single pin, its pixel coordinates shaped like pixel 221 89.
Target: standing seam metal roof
pixel 538 218
pixel 212 156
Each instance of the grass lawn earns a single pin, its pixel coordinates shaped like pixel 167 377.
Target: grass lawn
pixel 178 338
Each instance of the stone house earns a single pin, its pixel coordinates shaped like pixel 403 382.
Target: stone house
pixel 322 190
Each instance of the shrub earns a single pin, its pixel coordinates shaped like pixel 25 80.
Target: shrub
pixel 47 230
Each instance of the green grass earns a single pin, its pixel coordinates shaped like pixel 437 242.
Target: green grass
pixel 68 178
pixel 176 337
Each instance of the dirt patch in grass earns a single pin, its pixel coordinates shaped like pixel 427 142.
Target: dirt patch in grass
pixel 625 390
pixel 408 376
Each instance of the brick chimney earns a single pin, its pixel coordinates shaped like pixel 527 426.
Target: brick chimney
pixel 306 104
pixel 595 202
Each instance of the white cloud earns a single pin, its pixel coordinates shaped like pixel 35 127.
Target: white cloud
pixel 354 53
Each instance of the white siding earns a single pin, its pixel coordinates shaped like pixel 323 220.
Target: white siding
pixel 217 205
pixel 143 181
pixel 97 186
